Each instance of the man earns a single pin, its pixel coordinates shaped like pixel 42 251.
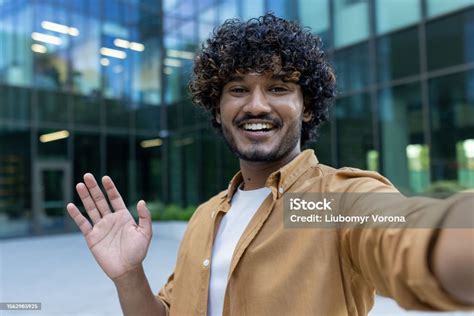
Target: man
pixel 267 87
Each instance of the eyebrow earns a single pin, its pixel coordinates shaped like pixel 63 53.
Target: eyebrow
pixel 279 77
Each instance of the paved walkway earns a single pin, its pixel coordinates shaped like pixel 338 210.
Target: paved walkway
pixel 61 274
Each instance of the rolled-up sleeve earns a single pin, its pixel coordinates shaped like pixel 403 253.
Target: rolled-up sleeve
pixel 164 295
pixel 395 261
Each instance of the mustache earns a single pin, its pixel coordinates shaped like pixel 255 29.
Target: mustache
pixel 264 117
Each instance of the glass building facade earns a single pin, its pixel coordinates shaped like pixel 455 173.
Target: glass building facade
pixel 101 86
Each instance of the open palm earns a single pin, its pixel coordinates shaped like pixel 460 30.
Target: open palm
pixel 118 244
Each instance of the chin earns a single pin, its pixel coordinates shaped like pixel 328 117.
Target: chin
pixel 257 154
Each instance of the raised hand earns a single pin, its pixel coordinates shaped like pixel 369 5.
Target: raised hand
pixel 118 244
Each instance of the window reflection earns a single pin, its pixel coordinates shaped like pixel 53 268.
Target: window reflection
pixel 450 40
pixel 352 66
pixel 436 7
pixel 393 15
pixel 317 20
pixel 452 120
pixel 397 55
pixel 118 163
pixel 401 135
pixel 354 130
pixel 15 175
pixel 354 13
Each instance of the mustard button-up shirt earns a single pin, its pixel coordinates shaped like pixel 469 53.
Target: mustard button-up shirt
pixel 281 271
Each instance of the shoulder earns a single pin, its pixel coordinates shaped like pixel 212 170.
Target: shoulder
pixel 206 208
pixel 349 179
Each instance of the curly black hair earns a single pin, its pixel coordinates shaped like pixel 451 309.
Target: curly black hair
pixel 268 43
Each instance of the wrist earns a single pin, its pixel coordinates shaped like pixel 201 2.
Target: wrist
pixel 135 276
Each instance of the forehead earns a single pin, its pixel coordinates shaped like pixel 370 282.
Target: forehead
pixel 255 76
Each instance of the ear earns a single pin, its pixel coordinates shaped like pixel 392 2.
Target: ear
pixel 307 116
pixel 218 115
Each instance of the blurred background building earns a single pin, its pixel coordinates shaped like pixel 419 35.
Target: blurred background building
pixel 101 86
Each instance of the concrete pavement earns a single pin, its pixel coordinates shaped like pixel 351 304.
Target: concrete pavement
pixel 60 273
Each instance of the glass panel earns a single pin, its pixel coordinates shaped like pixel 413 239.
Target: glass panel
pixel 86 157
pixel 398 55
pixel 252 8
pixel 52 199
pixel 354 131
pixel 148 117
pixel 322 147
pixel 401 128
pixel 450 41
pixel 351 21
pixel 316 19
pixel 15 175
pixel 176 162
pixel 16 55
pixel 117 114
pixel 117 164
pixel 52 106
pixel 86 110
pixel 15 103
pixel 149 168
pixel 393 15
pixel 352 66
pixel 436 7
pixel 211 168
pixel 52 144
pixel 227 10
pixel 230 164
pixel 189 146
pixel 452 120
pixel 85 71
pixel 52 59
pixel 282 8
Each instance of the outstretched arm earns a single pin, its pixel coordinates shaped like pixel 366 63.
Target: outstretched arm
pixel 452 259
pixel 117 243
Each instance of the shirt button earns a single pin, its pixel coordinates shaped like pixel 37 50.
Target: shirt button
pixel 205 263
pixel 281 190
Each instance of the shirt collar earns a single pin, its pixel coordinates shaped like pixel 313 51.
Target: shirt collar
pixel 280 180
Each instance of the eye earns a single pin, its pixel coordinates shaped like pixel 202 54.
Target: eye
pixel 278 89
pixel 237 90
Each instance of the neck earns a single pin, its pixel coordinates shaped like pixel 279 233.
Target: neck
pixel 255 173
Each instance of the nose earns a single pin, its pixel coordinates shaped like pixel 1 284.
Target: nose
pixel 257 103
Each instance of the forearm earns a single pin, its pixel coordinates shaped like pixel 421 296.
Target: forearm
pixel 136 296
pixel 453 255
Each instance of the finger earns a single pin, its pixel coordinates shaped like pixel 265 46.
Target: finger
pixel 144 218
pixel 89 204
pixel 114 196
pixel 96 194
pixel 79 219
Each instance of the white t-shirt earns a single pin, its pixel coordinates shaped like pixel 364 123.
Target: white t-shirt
pixel 243 206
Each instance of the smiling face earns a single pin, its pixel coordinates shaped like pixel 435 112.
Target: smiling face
pixel 261 117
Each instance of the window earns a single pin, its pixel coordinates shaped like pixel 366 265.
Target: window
pixel 352 68
pixel 354 131
pixel 398 55
pixel 393 15
pixel 436 7
pixel 450 40
pixel 452 121
pixel 401 130
pixel 351 22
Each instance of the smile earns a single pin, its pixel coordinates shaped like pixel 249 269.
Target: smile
pixel 257 126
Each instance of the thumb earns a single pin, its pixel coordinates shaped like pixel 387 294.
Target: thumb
pixel 144 217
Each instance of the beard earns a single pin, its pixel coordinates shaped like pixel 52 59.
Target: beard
pixel 256 153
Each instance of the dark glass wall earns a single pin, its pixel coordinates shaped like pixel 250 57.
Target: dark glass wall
pixel 101 87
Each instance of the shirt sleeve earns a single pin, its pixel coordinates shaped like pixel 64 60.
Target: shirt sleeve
pixel 165 293
pixel 396 260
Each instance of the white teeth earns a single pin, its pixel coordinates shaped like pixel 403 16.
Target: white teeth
pixel 257 126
